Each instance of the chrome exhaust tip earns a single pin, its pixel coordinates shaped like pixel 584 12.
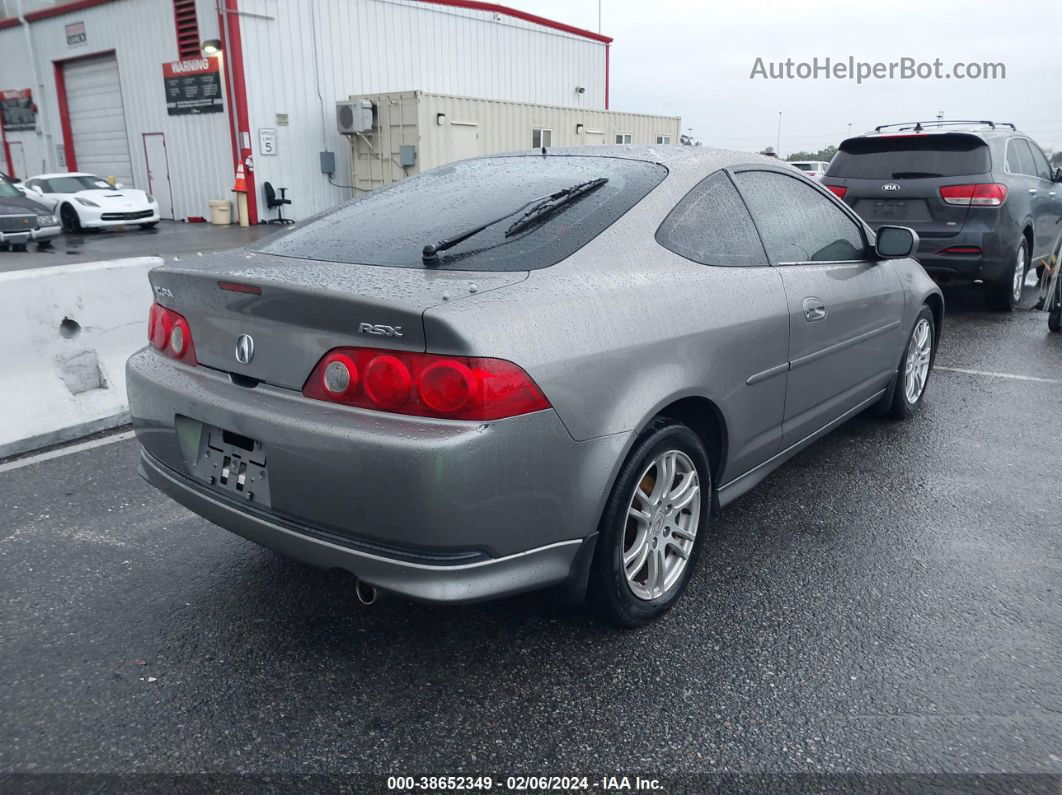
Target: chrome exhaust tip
pixel 366 593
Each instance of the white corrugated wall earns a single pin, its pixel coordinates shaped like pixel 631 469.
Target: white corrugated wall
pixel 312 53
pixel 300 57
pixel 142 34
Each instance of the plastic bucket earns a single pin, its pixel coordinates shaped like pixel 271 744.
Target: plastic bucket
pixel 220 212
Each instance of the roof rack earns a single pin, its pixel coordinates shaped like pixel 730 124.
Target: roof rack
pixel 919 126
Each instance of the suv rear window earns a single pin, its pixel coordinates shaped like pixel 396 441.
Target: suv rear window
pixel 911 157
pixel 392 225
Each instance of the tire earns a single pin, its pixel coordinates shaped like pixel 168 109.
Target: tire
pixel 905 402
pixel 70 219
pixel 151 225
pixel 672 538
pixel 1005 295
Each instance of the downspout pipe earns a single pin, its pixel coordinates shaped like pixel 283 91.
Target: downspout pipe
pixel 239 99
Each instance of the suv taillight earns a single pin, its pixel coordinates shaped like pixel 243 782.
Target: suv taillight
pixel 169 332
pixel 839 190
pixel 986 194
pixel 424 384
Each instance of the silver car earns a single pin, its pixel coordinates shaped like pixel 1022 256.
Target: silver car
pixel 527 370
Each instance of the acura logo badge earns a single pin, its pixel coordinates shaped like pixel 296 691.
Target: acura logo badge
pixel 244 349
pixel 890 187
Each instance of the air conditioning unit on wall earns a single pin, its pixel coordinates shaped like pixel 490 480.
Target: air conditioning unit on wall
pixel 354 118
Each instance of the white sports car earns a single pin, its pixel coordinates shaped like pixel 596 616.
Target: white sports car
pixel 88 201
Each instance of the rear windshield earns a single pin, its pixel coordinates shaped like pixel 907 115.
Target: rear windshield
pixel 392 225
pixel 910 157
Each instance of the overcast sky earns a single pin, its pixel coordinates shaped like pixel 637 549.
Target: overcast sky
pixel 688 58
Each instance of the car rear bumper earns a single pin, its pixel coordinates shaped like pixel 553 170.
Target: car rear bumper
pixel 459 583
pixel 436 509
pixel 990 263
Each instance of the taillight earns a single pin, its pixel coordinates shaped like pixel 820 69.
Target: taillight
pixel 838 190
pixel 986 194
pixel 960 250
pixel 424 384
pixel 169 332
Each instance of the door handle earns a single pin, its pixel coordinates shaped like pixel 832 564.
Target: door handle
pixel 814 309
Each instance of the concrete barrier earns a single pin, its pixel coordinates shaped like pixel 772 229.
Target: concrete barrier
pixel 65 333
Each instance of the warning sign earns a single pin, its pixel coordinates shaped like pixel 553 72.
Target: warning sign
pixel 193 86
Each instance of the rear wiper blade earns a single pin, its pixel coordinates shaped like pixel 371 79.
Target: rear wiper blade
pixel 430 255
pixel 552 203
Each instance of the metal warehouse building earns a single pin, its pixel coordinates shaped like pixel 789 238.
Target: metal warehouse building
pixel 122 88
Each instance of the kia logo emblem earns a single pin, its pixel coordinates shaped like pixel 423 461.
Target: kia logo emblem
pixel 244 349
pixel 890 187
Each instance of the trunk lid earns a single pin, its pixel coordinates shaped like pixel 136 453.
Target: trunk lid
pixel 305 308
pixel 896 179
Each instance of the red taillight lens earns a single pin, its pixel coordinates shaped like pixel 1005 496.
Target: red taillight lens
pixel 838 190
pixel 425 384
pixel 169 332
pixel 986 194
pixel 960 250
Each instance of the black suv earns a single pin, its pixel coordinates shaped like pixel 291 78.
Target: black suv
pixel 981 195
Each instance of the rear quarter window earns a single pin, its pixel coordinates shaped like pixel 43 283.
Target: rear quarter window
pixel 712 226
pixel 911 157
pixel 391 226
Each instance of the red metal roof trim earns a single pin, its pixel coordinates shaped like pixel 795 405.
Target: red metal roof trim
pixel 475 5
pixel 80 5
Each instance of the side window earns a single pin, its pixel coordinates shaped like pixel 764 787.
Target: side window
pixel 1043 168
pixel 541 136
pixel 1025 158
pixel 799 224
pixel 663 139
pixel 711 225
pixel 1013 164
pixel 623 138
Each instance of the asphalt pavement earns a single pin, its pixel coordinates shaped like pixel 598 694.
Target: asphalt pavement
pixel 887 602
pixel 168 239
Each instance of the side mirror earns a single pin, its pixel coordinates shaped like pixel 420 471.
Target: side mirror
pixel 896 242
pixel 35 189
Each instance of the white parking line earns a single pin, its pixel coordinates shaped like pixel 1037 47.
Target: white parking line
pixel 62 451
pixel 990 374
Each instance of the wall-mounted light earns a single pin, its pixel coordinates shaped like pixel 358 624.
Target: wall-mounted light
pixel 578 129
pixel 580 90
pixel 211 47
pixel 440 119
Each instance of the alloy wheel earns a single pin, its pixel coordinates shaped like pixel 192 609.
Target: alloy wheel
pixel 1019 274
pixel 662 522
pixel 916 368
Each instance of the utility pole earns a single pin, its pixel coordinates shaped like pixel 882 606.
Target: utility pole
pixel 849 129
pixel 598 16
pixel 778 139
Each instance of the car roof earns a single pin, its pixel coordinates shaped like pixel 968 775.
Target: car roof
pixel 984 130
pixel 674 156
pixel 63 174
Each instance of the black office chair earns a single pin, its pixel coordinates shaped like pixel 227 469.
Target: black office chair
pixel 272 201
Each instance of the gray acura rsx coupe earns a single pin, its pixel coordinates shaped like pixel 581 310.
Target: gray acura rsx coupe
pixel 527 370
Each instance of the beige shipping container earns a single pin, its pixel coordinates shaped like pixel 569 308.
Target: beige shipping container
pixel 414 131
